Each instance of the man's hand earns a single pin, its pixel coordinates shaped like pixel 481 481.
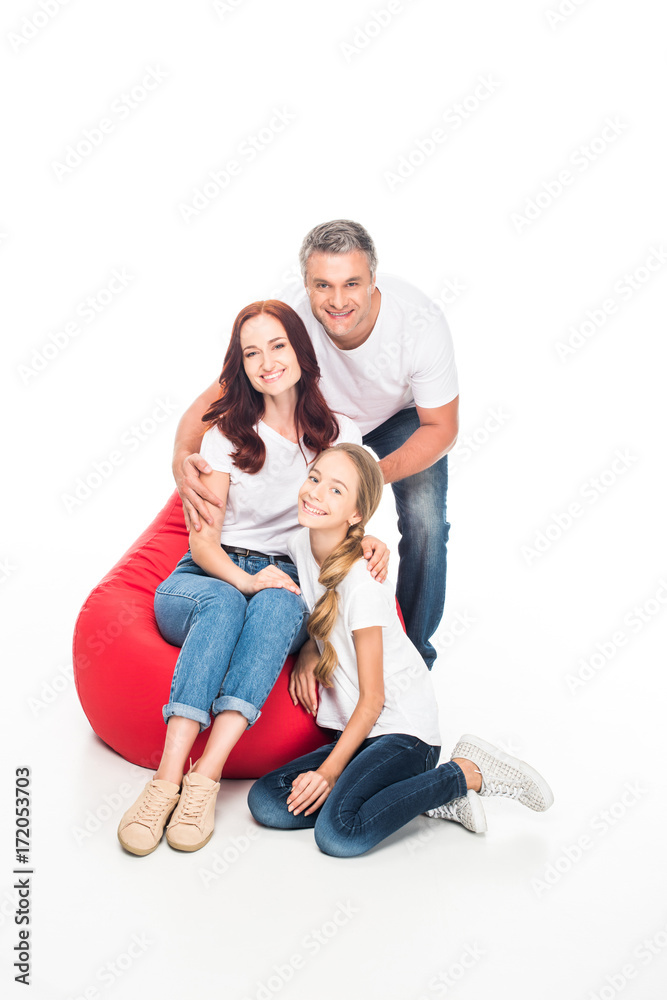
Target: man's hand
pixel 377 554
pixel 309 791
pixel 192 491
pixel 302 683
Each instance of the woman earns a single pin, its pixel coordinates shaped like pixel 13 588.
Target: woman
pixel 375 692
pixel 233 602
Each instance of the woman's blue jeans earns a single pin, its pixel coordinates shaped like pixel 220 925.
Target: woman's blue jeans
pixel 390 780
pixel 233 647
pixel 421 504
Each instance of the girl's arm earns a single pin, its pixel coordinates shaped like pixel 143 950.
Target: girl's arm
pixel 207 552
pixel 310 790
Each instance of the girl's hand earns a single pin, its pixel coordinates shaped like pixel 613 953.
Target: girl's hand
pixel 271 576
pixel 302 683
pixel 377 554
pixel 309 791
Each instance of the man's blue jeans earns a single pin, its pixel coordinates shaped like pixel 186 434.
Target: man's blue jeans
pixel 390 780
pixel 421 504
pixel 233 647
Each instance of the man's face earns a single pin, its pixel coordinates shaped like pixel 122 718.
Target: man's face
pixel 340 288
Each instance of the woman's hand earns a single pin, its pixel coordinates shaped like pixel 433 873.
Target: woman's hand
pixel 192 491
pixel 270 576
pixel 302 683
pixel 377 554
pixel 310 790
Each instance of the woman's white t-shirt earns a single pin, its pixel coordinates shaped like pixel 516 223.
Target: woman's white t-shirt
pixel 410 704
pixel 262 511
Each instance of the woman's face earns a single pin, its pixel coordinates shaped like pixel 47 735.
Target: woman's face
pixel 328 498
pixel 269 359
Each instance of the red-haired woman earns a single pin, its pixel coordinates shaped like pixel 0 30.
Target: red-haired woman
pixel 233 602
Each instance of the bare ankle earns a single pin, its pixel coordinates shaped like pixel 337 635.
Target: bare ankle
pixel 470 772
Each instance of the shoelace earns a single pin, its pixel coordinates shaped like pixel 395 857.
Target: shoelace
pixel 503 788
pixel 151 807
pixel 447 811
pixel 196 798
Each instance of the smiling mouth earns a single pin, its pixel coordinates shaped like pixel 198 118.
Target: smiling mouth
pixel 272 376
pixel 339 315
pixel 312 510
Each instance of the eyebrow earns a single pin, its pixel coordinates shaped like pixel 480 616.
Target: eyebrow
pixel 355 277
pixel 314 469
pixel 273 339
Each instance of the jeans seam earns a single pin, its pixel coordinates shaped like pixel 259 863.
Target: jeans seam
pixel 363 776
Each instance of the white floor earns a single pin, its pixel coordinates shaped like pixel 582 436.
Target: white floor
pixel 553 640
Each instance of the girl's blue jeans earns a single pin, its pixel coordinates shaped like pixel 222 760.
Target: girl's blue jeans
pixel 390 780
pixel 233 647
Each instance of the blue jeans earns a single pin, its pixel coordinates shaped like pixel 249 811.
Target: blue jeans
pixel 390 780
pixel 421 504
pixel 233 647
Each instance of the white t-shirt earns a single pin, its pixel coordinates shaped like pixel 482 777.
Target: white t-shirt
pixel 410 704
pixel 408 358
pixel 262 509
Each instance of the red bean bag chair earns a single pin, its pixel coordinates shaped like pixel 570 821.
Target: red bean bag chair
pixel 123 667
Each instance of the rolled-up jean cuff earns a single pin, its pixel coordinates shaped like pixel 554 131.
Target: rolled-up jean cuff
pixel 187 712
pixel 227 703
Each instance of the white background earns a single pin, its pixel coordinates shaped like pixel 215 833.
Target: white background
pixel 544 905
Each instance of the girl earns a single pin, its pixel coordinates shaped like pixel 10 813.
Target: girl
pixel 375 692
pixel 233 602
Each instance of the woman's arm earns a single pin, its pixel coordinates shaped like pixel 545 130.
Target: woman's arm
pixel 310 790
pixel 207 552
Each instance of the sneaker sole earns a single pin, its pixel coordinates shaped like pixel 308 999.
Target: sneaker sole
pixel 189 847
pixel 520 765
pixel 478 814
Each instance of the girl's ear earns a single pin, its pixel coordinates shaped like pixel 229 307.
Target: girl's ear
pixel 355 519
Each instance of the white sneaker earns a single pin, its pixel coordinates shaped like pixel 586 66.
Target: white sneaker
pixel 467 810
pixel 504 775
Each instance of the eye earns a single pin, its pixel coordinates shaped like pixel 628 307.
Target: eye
pixel 313 478
pixel 250 354
pixel 336 490
pixel 277 347
pixel 353 283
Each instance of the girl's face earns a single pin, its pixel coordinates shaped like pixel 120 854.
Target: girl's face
pixel 328 498
pixel 269 359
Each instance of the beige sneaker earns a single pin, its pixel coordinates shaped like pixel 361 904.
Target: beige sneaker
pixel 191 826
pixel 141 827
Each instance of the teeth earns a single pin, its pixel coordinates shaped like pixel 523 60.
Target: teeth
pixel 312 510
pixel 272 377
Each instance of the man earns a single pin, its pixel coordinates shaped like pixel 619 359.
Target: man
pixel 387 361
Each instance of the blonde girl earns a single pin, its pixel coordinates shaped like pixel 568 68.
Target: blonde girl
pixel 375 693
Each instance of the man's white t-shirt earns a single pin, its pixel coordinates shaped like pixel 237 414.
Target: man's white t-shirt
pixel 408 358
pixel 262 509
pixel 410 704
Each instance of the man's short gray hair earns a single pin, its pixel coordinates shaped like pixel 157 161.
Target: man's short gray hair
pixel 339 236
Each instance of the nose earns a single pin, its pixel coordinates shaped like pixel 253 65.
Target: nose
pixel 338 299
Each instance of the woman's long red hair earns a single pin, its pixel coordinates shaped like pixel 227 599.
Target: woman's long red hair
pixel 239 406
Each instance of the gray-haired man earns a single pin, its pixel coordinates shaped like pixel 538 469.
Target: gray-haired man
pixel 387 361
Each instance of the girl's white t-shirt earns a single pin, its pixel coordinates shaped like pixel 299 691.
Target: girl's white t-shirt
pixel 261 510
pixel 410 704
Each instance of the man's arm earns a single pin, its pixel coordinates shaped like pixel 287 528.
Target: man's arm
pixel 187 463
pixel 435 436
